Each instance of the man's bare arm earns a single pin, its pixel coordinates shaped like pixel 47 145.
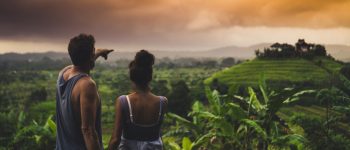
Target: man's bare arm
pixel 102 52
pixel 88 106
pixel 117 131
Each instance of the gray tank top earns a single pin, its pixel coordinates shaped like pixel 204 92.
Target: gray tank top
pixel 69 135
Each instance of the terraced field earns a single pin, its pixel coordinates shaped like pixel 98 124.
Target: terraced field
pixel 328 64
pixel 298 70
pixel 291 70
pixel 314 111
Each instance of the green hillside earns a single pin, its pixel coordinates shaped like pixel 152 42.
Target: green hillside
pixel 316 73
pixel 291 70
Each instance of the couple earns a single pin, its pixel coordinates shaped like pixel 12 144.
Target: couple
pixel 138 116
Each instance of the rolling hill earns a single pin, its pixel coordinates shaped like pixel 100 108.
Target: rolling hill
pixel 292 70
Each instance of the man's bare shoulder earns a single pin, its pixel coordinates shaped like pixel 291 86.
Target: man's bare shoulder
pixel 87 84
pixel 87 90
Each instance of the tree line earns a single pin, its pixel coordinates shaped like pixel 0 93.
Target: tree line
pixel 284 50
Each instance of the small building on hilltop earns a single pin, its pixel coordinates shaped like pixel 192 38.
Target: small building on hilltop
pixel 302 46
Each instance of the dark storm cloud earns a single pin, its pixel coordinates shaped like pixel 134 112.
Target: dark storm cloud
pixel 133 21
pixel 58 19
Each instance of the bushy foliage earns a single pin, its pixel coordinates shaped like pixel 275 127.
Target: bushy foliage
pixel 179 103
pixel 36 136
pixel 321 133
pixel 8 126
pixel 223 124
pixel 345 70
pixel 160 87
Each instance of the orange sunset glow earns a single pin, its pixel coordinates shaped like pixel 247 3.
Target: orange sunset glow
pixel 128 25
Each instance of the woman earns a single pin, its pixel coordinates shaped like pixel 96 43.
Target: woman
pixel 139 115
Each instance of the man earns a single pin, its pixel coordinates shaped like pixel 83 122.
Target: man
pixel 78 106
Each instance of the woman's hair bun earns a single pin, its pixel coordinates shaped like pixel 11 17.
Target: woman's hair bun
pixel 144 59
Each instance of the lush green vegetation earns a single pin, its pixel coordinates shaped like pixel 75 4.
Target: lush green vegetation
pixel 264 103
pixel 247 123
pixel 27 95
pixel 321 117
pixel 291 72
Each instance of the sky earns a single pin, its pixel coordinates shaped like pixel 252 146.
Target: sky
pixel 130 25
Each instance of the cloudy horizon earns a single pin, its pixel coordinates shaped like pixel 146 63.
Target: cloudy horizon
pixel 39 25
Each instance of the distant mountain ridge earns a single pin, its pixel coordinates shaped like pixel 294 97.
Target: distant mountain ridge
pixel 341 52
pixel 32 56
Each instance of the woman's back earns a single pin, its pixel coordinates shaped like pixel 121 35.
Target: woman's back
pixel 142 117
pixel 145 108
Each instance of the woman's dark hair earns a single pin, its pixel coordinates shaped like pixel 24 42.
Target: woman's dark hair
pixel 140 69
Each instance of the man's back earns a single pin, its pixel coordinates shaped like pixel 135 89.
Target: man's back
pixel 77 104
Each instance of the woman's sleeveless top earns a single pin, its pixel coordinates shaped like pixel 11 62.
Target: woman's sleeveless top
pixel 136 136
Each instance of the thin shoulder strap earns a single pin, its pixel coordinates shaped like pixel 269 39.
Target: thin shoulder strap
pixel 130 110
pixel 160 105
pixel 160 108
